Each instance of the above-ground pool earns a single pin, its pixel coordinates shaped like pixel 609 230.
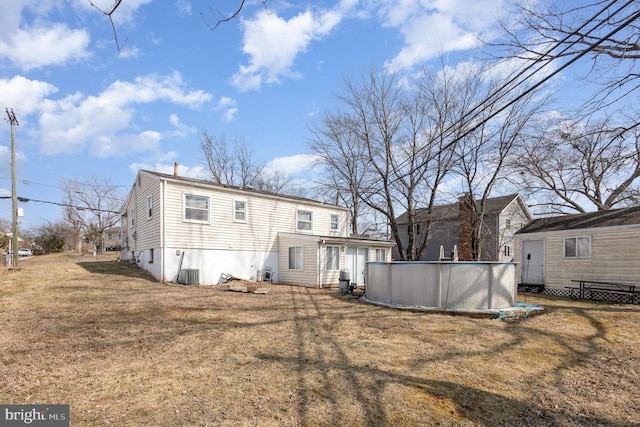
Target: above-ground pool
pixel 443 285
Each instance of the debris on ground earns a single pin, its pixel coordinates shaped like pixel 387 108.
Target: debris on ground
pixel 245 289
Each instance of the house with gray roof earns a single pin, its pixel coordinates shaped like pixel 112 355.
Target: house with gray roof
pixel 503 216
pixel 602 245
pixel 182 229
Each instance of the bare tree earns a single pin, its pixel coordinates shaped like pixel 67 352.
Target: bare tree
pixel 602 32
pixel 235 166
pixel 483 153
pixel 93 207
pixel 218 16
pixel 572 166
pixel 221 17
pixel 342 155
pixel 388 149
pixel 239 166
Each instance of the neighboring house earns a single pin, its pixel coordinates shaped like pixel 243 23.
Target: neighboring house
pixel 603 245
pixel 503 216
pixel 172 223
pixel 112 238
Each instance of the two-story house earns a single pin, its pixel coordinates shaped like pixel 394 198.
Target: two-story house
pixel 450 228
pixel 171 223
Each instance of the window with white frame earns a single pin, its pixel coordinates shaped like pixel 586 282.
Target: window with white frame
pixel 133 218
pixel 335 222
pixel 196 208
pixel 381 255
pixel 239 211
pixel 577 247
pixel 150 207
pixel 296 257
pixel 332 258
pixel 304 222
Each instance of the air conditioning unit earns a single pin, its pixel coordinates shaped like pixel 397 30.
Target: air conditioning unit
pixel 189 276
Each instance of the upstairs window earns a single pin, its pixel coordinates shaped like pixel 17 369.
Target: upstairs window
pixel 240 211
pixel 335 222
pixel 507 223
pixel 305 220
pixel 577 247
pixel 133 218
pixel 416 228
pixel 196 208
pixel 150 207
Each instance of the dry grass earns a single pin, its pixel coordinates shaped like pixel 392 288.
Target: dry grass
pixel 121 349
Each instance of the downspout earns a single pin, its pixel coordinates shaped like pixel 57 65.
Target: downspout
pixel 163 194
pixel 319 276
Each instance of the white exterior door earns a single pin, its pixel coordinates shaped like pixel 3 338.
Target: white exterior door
pixel 532 262
pixel 356 262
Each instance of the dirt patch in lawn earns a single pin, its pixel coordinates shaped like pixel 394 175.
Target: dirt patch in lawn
pixel 122 349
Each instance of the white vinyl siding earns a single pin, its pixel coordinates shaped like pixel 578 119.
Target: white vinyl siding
pixel 615 255
pixel 196 208
pixel 266 217
pixel 147 233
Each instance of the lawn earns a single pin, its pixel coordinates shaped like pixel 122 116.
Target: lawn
pixel 122 349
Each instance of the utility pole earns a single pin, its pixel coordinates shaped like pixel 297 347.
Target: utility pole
pixel 14 195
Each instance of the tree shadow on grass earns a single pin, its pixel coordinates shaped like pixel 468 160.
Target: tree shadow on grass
pixel 373 388
pixel 119 268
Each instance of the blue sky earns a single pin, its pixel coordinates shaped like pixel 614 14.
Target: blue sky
pixel 86 108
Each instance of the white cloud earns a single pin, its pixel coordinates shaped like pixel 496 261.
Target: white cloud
pixel 36 47
pixel 228 107
pixel 186 171
pixel 435 27
pixel 123 145
pixel 29 40
pixel 273 43
pixel 103 122
pixel 181 130
pixel 184 7
pixel 298 164
pixel 129 52
pixel 23 95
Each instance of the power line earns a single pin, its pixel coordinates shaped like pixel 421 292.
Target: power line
pixel 504 90
pixel 465 120
pixel 27 182
pixel 66 205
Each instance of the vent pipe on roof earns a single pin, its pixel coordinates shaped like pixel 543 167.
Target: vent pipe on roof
pixel 175 169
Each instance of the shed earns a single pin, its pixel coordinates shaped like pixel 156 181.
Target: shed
pixel 603 245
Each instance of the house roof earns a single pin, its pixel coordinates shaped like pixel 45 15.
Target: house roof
pixel 202 182
pixel 608 218
pixel 494 205
pixel 339 239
